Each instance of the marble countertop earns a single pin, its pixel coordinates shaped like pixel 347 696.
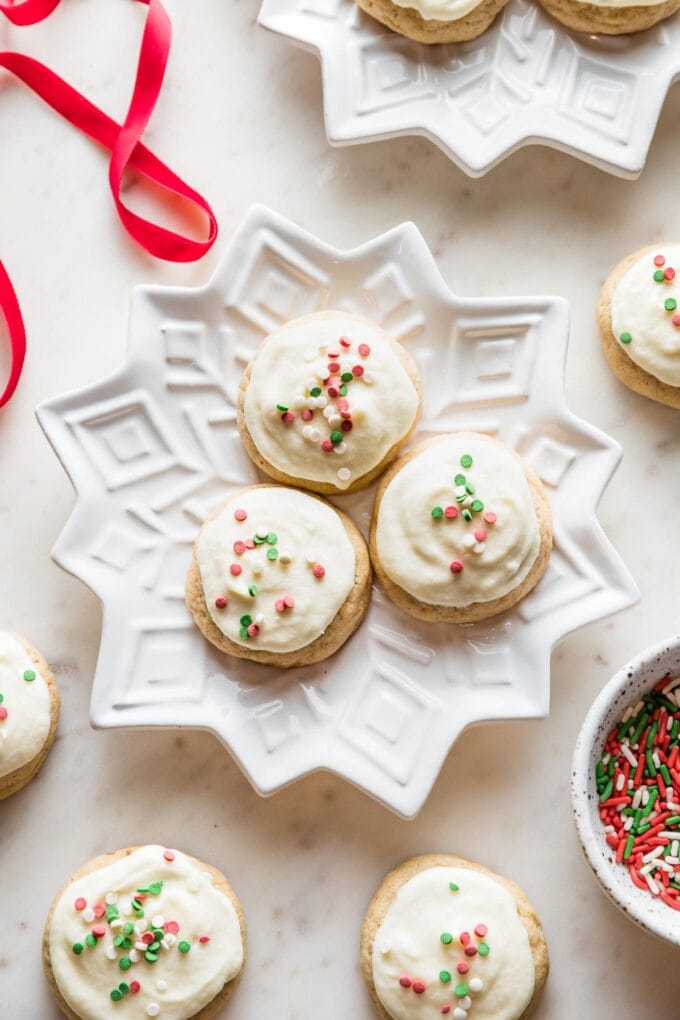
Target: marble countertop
pixel 241 119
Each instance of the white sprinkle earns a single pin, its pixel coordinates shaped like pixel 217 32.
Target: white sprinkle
pixel 385 948
pixel 285 556
pixel 322 401
pixel 645 796
pixel 465 1002
pixel 257 567
pixel 624 718
pixel 307 431
pixel 648 868
pixel 169 939
pixel 328 412
pixel 628 824
pixel 310 384
pixel 656 852
pixel 459 490
pixel 479 547
pixel 88 915
pixel 299 403
pixel 344 474
pixel 134 956
pixel 667 835
pixel 311 403
pixel 609 828
pixel 469 541
pixel 140 927
pixel 315 435
pixel 116 923
pixel 340 447
pixel 475 984
pixel 158 921
pixel 636 799
pixel 153 1009
pixel 111 898
pixel 653 887
pixel 259 619
pixel 675 847
pixel 261 532
pixel 111 953
pixel 606 757
pixel 628 755
pixel 309 355
pixel 656 760
pixel 620 782
pixel 162 986
pixel 141 946
pixel 459 1014
pixel 367 377
pixel 334 420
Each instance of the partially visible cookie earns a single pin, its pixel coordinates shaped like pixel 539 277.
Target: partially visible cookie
pixel 639 319
pixel 446 937
pixel 435 21
pixel 278 576
pixel 144 932
pixel 611 17
pixel 327 402
pixel 461 529
pixel 29 712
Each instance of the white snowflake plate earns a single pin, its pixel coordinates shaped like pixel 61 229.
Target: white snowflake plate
pixel 527 80
pixel 154 448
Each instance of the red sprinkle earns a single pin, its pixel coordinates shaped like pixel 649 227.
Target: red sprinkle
pixel 481 534
pixel 204 939
pixel 80 903
pixel 470 950
pixel 169 856
pixel 463 967
pixel 405 982
pixel 343 405
pixel 235 569
pixel 659 260
pixel 465 938
pixel 490 517
pixel 147 938
pixel 364 350
pixel 676 320
pixel 99 931
pixel 171 927
pixel 451 512
pixel 481 930
pixel 318 570
pixel 357 371
pixel 333 391
pixel 240 515
pixel 221 602
pixel 279 605
pixel 327 446
pixel 289 602
pixel 250 543
pixel 345 342
pixel 334 367
pixel 287 417
pixel 3 713
pixel 134 987
pixel 456 567
pixel 346 425
pixel 446 1008
pixel 253 630
pixel 307 414
pixel 239 548
pixel 99 909
pixel 669 273
pixel 419 987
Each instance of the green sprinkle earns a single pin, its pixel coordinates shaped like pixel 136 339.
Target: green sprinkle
pixel 258 540
pixel 670 304
pixel 158 935
pixel 445 976
pixel 112 913
pixel 282 407
pixel 128 928
pixel 2 698
pixel 673 820
pixel 437 512
pixel 336 437
pixel 461 989
pixel 116 995
pixel 466 460
pixel 625 338
pixel 628 848
pixel 315 391
pixel 467 515
pixel 252 590
pixel 446 938
pixel 151 957
pixel 156 888
pixel 271 538
pixel 460 480
pixel 154 947
pixel 124 988
pixel 29 675
pixel 118 941
pixel 470 489
pixel 607 791
pixel 477 506
pixel 143 889
pixel 246 620
pixel 346 376
pixel 651 767
pixel 136 905
pixel 483 948
pixel 78 948
pixel 453 887
pixel 272 554
pixel 658 276
pixel 125 963
pixel 243 634
pixel 343 390
pixel 90 941
pixel 184 947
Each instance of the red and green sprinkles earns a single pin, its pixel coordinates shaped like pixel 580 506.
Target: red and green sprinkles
pixel 473 946
pixel 662 274
pixel 638 785
pixel 467 505
pixel 29 675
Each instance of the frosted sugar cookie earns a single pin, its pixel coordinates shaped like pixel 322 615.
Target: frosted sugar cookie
pixel 327 402
pixel 278 576
pixel 639 319
pixel 144 932
pixel 435 21
pixel 445 937
pixel 29 712
pixel 611 17
pixel 461 529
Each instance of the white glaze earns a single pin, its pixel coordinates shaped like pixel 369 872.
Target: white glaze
pixel 26 728
pixel 416 550
pixel 440 10
pixel 383 405
pixel 408 943
pixel 637 308
pixel 308 531
pixel 180 984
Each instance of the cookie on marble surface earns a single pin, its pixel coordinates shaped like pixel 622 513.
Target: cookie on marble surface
pixel 639 320
pixel 278 576
pixel 327 402
pixel 435 21
pixel 29 712
pixel 443 936
pixel 144 932
pixel 461 529
pixel 611 17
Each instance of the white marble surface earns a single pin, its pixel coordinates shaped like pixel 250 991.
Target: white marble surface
pixel 241 118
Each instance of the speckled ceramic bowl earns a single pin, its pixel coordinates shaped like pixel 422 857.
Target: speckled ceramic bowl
pixel 624 688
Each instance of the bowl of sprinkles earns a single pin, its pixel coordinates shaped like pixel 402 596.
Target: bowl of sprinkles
pixel 626 789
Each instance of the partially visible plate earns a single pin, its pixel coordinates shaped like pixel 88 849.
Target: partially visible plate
pixel 527 80
pixel 154 448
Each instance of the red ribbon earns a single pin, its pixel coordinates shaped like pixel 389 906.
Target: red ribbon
pixel 123 142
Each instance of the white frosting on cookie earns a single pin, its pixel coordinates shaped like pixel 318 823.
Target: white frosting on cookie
pixel 419 943
pixel 639 313
pixel 445 559
pixel 25 717
pixel 439 10
pixel 358 427
pixel 187 908
pixel 305 558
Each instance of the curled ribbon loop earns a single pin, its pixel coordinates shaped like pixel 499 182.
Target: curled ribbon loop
pixel 123 141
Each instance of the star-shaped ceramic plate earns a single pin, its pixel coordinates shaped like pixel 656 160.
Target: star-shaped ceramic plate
pixel 527 80
pixel 154 448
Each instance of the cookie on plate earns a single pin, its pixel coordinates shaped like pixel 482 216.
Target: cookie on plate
pixel 461 529
pixel 445 937
pixel 144 932
pixel 639 319
pixel 435 21
pixel 610 17
pixel 29 712
pixel 327 402
pixel 278 576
